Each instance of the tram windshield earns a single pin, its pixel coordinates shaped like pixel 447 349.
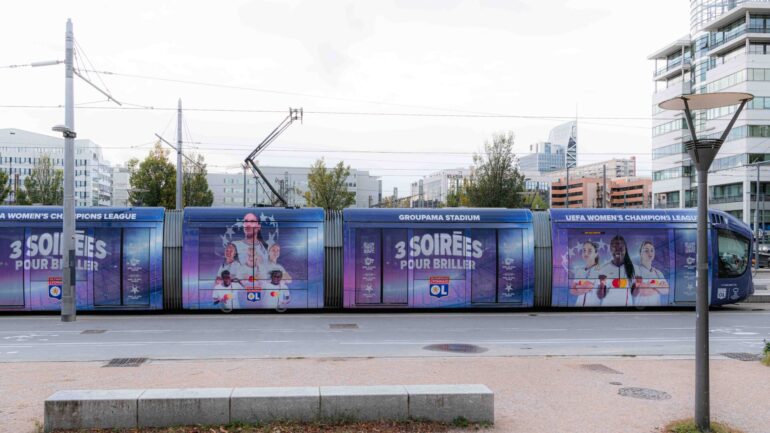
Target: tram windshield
pixel 733 254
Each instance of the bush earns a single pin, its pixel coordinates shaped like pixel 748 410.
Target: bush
pixel 688 426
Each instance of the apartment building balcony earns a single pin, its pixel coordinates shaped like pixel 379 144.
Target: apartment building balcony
pixel 726 199
pixel 737 37
pixel 667 205
pixel 672 70
pixel 671 91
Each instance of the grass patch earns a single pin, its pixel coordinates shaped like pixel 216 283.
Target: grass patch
pixel 688 426
pixel 766 358
pixel 341 426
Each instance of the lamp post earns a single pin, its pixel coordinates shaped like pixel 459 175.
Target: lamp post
pixel 702 153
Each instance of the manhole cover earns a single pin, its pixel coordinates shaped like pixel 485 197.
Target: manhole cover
pixel 742 356
pixel 616 383
pixel 343 326
pixel 126 362
pixel 456 348
pixel 93 331
pixel 600 368
pixel 644 393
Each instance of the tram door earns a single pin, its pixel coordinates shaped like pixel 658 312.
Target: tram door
pixel 12 269
pixel 380 277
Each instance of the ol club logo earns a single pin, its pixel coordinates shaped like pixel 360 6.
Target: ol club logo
pixel 439 286
pixel 54 287
pixel 254 296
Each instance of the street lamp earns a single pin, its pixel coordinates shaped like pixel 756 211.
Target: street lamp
pixel 702 153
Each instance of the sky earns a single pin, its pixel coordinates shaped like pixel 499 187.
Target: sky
pixel 401 88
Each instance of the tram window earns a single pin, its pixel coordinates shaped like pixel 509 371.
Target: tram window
pixel 733 254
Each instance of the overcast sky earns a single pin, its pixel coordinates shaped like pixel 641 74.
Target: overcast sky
pixel 551 60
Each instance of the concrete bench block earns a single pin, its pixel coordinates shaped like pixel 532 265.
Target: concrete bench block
pixel 187 406
pixel 444 403
pixel 365 403
pixel 73 409
pixel 253 405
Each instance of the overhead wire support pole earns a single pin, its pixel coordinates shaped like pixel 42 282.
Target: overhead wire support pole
pixel 179 165
pixel 294 114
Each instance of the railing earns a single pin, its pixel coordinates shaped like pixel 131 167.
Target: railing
pixel 736 33
pixel 677 65
pixel 667 205
pixel 762 197
pixel 726 199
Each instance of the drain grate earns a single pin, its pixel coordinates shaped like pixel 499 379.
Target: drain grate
pixel 93 331
pixel 126 362
pixel 616 383
pixel 644 393
pixel 456 348
pixel 600 368
pixel 343 326
pixel 742 356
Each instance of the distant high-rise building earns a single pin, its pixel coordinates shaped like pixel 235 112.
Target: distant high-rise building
pixel 727 50
pixel 436 186
pixel 565 135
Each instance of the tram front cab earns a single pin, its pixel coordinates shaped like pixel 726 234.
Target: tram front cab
pixel 730 264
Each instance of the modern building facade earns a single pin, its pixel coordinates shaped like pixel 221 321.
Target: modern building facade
pixel 235 189
pixel 20 151
pixel 121 182
pixel 613 168
pixel 432 190
pixel 543 157
pixel 728 49
pixel 590 192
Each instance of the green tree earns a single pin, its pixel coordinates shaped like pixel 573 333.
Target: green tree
pixel 195 186
pixel 44 185
pixel 153 180
pixel 327 188
pixel 538 202
pixel 458 196
pixel 496 181
pixel 5 187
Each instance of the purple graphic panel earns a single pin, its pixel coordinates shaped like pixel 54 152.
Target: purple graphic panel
pixel 11 267
pixel 510 262
pixel 368 266
pixel 484 275
pixel 106 280
pixel 395 287
pixel 136 264
pixel 686 263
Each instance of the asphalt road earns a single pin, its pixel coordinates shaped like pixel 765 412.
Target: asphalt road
pixel 654 333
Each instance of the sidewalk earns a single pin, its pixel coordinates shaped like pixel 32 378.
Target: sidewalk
pixel 532 394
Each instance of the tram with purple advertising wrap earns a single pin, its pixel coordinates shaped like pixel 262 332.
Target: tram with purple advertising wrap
pixel 118 258
pixel 136 259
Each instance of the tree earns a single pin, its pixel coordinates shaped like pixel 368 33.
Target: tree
pixel 44 185
pixel 458 196
pixel 327 187
pixel 195 186
pixel 153 181
pixel 5 187
pixel 496 181
pixel 535 201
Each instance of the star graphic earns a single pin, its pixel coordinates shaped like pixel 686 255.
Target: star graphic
pixel 229 231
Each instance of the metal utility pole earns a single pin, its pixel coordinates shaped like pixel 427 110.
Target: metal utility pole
pixel 179 168
pixel 68 313
pixel 245 182
pixel 702 152
pixel 604 188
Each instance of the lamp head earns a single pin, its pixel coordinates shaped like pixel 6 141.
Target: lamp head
pixel 65 131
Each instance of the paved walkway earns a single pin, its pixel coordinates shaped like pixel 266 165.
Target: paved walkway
pixel 532 394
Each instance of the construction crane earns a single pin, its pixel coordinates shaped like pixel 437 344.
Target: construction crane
pixel 294 114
